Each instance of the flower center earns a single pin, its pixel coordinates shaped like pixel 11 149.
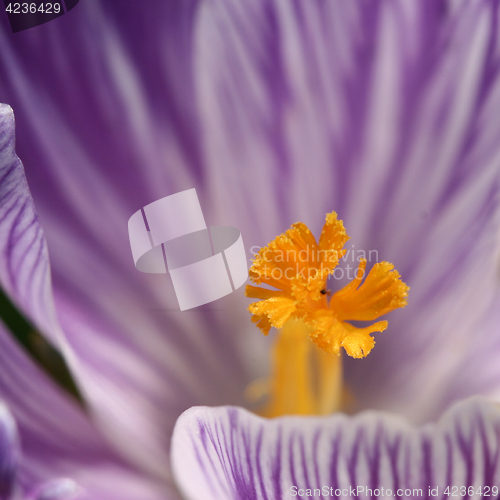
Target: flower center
pixel 304 379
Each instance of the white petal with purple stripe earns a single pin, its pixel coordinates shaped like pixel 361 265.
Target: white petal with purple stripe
pixel 228 453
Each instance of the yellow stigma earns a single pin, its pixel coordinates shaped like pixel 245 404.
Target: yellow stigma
pixel 297 267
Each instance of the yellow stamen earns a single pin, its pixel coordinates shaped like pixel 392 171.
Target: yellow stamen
pixel 306 380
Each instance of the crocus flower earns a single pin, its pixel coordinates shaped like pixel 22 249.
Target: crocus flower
pixel 277 112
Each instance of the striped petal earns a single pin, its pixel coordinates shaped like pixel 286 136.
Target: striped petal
pixel 382 111
pixel 24 263
pixel 439 218
pixel 115 130
pixel 136 394
pixel 230 454
pixel 59 440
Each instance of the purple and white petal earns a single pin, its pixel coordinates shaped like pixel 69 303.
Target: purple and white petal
pixel 439 221
pixel 108 127
pixel 228 453
pixel 9 452
pixel 59 440
pixel 383 112
pixel 24 263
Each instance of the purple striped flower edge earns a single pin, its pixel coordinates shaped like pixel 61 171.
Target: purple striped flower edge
pixel 228 453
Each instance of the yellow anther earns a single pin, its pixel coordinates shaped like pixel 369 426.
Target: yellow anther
pixel 298 267
pixel 305 380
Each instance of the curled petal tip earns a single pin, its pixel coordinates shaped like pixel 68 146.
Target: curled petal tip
pixel 6 110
